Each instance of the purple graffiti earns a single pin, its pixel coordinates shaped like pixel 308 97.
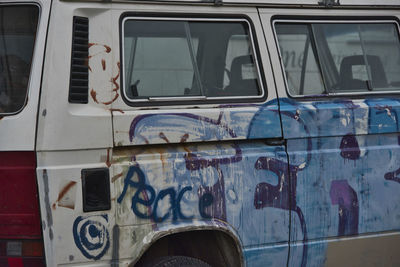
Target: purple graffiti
pixel 349 147
pixel 276 196
pixel 282 195
pixel 212 198
pixel 343 195
pixel 393 176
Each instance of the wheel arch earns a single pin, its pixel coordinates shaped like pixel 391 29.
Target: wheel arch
pixel 214 242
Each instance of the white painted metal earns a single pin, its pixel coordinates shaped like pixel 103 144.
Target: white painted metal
pixel 55 171
pixel 122 121
pixel 66 126
pixel 72 137
pixel 17 132
pixel 271 2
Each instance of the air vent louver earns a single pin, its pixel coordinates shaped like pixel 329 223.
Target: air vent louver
pixel 79 80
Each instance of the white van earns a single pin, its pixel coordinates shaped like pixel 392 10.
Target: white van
pixel 199 133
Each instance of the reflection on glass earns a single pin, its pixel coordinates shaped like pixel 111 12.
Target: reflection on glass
pixel 188 59
pixel 17 38
pixel 352 57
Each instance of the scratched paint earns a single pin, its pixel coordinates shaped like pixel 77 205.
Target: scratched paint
pixel 66 197
pixel 349 185
pixel 341 178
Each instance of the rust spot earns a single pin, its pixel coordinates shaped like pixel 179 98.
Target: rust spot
pixel 108 162
pixel 163 137
pixel 103 64
pixel 93 94
pixel 144 138
pixel 114 178
pixel 111 101
pixel 117 110
pixel 184 138
pixel 162 158
pixel 114 80
pixel 108 49
pixel 62 193
pixel 65 190
pixel 86 63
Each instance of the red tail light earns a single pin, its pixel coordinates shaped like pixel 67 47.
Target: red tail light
pixel 20 232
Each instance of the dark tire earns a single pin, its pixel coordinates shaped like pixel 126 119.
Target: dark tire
pixel 175 261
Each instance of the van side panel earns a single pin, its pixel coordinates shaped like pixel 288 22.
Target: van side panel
pixel 72 236
pixel 350 182
pixel 161 185
pixel 183 165
pixel 345 156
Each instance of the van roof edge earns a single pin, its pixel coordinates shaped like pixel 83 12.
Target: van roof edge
pixel 270 3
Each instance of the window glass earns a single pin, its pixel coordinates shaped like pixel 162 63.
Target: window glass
pixel 166 58
pixel 17 38
pixel 302 72
pixel 352 57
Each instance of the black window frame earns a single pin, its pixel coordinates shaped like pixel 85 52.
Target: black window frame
pixel 309 20
pixel 34 52
pixel 187 101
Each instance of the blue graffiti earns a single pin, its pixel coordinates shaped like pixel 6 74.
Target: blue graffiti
pixel 91 236
pixel 314 177
pixel 145 195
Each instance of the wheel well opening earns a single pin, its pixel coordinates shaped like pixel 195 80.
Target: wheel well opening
pixel 216 248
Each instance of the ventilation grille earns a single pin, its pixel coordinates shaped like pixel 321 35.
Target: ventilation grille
pixel 79 81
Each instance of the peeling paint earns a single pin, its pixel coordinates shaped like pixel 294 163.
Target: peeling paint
pixel 93 94
pixel 66 197
pixel 115 177
pixel 114 79
pixel 112 100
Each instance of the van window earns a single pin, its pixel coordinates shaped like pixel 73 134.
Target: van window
pixel 182 58
pixel 17 38
pixel 340 58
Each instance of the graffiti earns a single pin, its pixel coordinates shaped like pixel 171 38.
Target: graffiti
pixel 349 147
pixel 96 51
pixel 313 181
pixel 149 197
pixel 91 235
pixel 393 176
pixel 138 119
pixel 343 195
pixel 282 195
